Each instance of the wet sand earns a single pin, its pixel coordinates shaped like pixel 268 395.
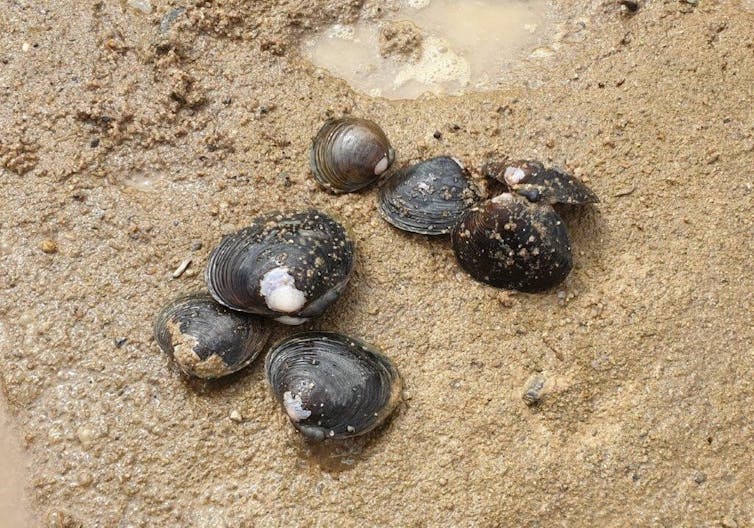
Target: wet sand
pixel 121 147
pixel 14 508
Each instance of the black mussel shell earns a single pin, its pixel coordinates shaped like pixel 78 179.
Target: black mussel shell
pixel 290 266
pixel 531 179
pixel 349 153
pixel 207 340
pixel 428 197
pixel 332 385
pixel 512 243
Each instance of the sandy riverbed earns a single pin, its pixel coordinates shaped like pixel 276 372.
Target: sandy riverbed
pixel 121 147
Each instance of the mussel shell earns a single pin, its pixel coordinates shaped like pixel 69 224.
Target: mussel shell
pixel 207 340
pixel 531 179
pixel 512 243
pixel 291 266
pixel 332 385
pixel 428 197
pixel 349 153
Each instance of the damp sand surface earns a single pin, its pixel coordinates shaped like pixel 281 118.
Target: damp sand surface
pixel 126 148
pixel 14 507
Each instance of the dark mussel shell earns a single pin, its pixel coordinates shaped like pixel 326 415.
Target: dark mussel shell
pixel 207 340
pixel 332 385
pixel 512 243
pixel 349 153
pixel 531 179
pixel 291 266
pixel 428 197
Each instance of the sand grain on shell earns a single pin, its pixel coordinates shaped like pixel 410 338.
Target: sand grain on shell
pixel 647 347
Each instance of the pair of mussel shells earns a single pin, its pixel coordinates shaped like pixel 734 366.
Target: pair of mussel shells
pixel 330 385
pixel 515 240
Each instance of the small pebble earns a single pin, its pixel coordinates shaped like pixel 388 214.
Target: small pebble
pixel 48 246
pixel 196 245
pixel 120 341
pixel 700 477
pixel 25 47
pixel 533 392
pixel 505 299
pixel 284 179
pixel 236 416
pixel 437 134
pixel 727 522
pixel 85 435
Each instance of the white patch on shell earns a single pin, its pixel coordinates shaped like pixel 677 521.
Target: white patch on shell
pixel 293 321
pixel 513 175
pixel 279 291
pixel 381 165
pixel 294 407
pixel 504 197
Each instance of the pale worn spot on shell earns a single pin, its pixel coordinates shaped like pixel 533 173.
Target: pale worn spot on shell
pixel 294 407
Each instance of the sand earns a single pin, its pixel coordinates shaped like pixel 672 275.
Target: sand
pixel 121 148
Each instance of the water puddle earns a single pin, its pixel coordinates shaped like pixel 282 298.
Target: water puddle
pixel 436 46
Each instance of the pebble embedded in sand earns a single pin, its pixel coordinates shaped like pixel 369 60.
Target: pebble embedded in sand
pixel 48 246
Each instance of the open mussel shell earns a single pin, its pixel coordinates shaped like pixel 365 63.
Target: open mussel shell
pixel 428 197
pixel 331 385
pixel 531 179
pixel 512 243
pixel 349 153
pixel 290 266
pixel 207 340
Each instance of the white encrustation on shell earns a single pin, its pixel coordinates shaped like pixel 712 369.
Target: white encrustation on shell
pixel 294 407
pixel 278 288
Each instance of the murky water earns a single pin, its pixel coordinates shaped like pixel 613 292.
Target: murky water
pixel 436 46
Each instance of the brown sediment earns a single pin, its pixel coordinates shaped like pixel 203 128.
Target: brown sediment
pixel 401 39
pixel 646 346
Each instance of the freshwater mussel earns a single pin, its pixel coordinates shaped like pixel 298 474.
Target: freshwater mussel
pixel 349 153
pixel 290 266
pixel 207 340
pixel 331 385
pixel 510 242
pixel 531 179
pixel 428 197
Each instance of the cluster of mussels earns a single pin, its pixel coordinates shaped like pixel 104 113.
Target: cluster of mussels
pixel 515 240
pixel 292 266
